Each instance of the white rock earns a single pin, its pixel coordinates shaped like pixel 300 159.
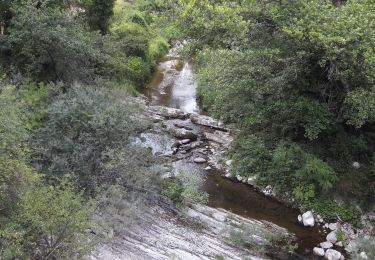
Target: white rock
pixel 340 244
pixel 356 165
pixel 299 218
pixel 208 168
pixel 326 225
pixel 200 160
pixel 318 251
pixel 308 219
pixel 326 245
pixel 239 177
pixel 333 226
pixel 363 255
pixel 228 163
pixel 251 180
pixel 331 237
pixel 228 175
pixel 332 254
pixel 185 141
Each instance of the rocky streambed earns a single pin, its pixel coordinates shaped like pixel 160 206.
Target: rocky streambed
pixel 196 145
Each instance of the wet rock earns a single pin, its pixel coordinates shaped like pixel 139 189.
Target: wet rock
pixel 182 133
pixel 207 121
pixel 318 251
pixel 331 237
pixel 268 191
pixel 308 219
pixel 332 254
pixel 251 181
pixel 167 112
pixel 200 160
pixel 326 245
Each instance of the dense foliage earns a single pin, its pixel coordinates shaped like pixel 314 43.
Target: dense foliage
pixel 297 77
pixel 69 176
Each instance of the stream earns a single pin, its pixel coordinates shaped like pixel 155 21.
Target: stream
pixel 174 85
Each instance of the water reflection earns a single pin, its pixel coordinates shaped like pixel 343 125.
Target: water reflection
pixel 174 85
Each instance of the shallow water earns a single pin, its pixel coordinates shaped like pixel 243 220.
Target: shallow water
pixel 174 85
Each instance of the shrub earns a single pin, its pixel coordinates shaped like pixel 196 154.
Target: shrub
pixel 332 210
pixel 51 222
pixel 81 126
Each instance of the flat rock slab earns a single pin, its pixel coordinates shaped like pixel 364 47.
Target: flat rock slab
pixel 167 112
pixel 208 121
pixel 160 235
pixel 221 138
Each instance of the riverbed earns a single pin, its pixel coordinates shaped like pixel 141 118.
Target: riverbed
pixel 174 85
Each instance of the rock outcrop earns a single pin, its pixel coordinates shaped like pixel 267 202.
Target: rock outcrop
pixel 160 234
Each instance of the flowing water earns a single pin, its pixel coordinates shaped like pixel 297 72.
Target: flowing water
pixel 174 85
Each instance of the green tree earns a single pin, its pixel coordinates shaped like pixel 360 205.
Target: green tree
pixel 51 44
pixel 100 13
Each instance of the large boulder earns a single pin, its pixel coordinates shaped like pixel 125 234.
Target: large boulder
pixel 332 254
pixel 182 133
pixel 318 251
pixel 308 219
pixel 167 112
pixel 207 121
pixel 219 137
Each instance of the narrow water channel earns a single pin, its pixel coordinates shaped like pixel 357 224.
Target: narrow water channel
pixel 174 85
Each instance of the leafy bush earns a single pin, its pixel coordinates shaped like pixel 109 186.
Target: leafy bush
pixel 81 126
pixel 330 210
pixel 50 44
pixel 50 222
pixel 184 189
